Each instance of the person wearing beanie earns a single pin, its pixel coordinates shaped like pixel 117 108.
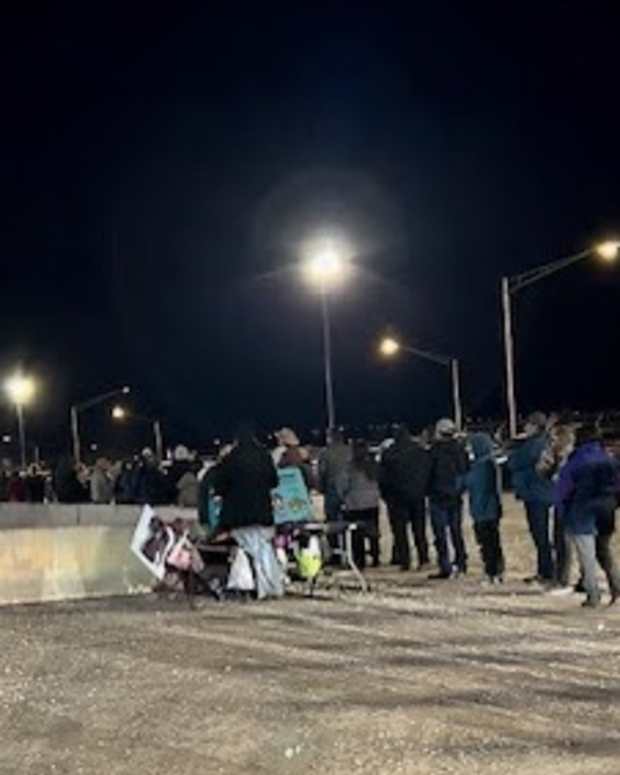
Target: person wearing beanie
pixel 536 492
pixel 448 466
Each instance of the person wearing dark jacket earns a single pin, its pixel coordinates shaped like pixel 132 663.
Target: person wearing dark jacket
pixel 536 492
pixel 485 506
pixel 404 475
pixel 586 493
pixel 67 485
pixel 244 480
pixel 448 466
pixel 149 482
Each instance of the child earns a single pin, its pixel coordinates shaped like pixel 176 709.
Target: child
pixel 485 506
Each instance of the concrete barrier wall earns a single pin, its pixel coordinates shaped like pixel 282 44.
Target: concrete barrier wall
pixel 59 552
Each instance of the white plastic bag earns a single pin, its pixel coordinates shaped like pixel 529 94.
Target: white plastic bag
pixel 240 576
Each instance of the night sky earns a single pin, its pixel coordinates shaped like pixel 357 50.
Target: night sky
pixel 162 168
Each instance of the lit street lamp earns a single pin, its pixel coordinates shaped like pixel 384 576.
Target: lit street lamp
pixel 325 269
pixel 77 408
pixel 120 413
pixel 608 251
pixel 390 347
pixel 20 390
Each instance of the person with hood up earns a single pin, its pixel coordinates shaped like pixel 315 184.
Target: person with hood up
pixel 586 494
pixel 244 479
pixel 405 469
pixel 449 464
pixel 485 506
pixel 536 492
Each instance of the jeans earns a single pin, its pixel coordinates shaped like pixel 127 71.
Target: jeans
pixel 258 543
pixel 402 513
pixel 448 520
pixel 563 550
pixel 489 541
pixel 538 523
pixel 586 552
pixel 607 561
pixel 367 526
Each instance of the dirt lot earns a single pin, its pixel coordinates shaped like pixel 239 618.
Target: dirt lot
pixel 417 677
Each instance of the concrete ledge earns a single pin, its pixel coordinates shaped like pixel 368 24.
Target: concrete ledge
pixel 46 515
pixel 60 563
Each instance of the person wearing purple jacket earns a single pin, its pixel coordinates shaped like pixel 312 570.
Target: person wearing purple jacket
pixel 586 493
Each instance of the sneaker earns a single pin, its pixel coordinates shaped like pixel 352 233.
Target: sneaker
pixel 591 602
pixel 561 591
pixel 615 596
pixel 532 580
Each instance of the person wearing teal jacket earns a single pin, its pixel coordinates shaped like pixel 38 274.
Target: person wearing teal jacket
pixel 485 505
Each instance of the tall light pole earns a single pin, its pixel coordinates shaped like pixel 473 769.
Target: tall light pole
pixel 119 413
pixel 390 347
pixel 77 408
pixel 511 286
pixel 20 390
pixel 325 269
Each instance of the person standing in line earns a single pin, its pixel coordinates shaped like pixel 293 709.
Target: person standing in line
pixel 358 489
pixel 332 463
pixel 449 465
pixel 559 446
pixel 485 506
pixel 586 493
pixel 35 484
pixel 244 479
pixel 536 492
pixel 404 476
pixel 101 488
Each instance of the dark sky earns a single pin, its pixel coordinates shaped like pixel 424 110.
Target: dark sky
pixel 161 169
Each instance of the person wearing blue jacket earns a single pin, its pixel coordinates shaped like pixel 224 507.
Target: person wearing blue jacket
pixel 485 505
pixel 536 492
pixel 586 493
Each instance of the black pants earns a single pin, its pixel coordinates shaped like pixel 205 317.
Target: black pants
pixel 563 550
pixel 403 513
pixel 447 521
pixel 368 527
pixel 489 541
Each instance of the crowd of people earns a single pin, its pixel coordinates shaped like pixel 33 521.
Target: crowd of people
pixel 566 478
pixel 562 472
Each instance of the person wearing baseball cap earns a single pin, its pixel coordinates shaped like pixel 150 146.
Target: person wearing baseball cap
pixel 449 464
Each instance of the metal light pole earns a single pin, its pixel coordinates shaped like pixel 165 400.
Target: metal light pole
pixel 22 434
pixel 390 347
pixel 512 285
pixel 75 412
pixel 327 363
pixel 20 390
pixel 325 268
pixel 119 413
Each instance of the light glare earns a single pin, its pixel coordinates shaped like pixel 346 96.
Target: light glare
pixel 608 250
pixel 389 346
pixel 20 389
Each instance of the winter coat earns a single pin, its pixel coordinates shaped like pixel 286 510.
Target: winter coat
pixel 586 490
pixel 481 481
pixel 150 485
pixel 245 479
pixel 67 486
pixel 101 489
pixel 449 464
pixel 405 471
pixel 528 485
pixel 357 490
pixel 187 488
pixel 332 464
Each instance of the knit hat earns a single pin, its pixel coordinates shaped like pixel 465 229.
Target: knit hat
pixel 445 427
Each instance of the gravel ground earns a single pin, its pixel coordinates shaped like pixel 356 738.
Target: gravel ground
pixel 417 677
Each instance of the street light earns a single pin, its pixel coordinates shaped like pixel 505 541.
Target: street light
pixel 325 268
pixel 608 251
pixel 20 390
pixel 77 408
pixel 390 347
pixel 120 413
